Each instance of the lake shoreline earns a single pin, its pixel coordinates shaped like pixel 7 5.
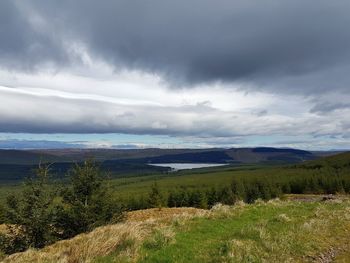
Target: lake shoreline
pixel 187 166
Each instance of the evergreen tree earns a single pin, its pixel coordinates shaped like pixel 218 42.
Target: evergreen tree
pixel 155 198
pixel 238 190
pixel 182 198
pixel 172 202
pixel 87 203
pixel 29 215
pixel 198 199
pixel 212 196
pixel 253 191
pixel 226 196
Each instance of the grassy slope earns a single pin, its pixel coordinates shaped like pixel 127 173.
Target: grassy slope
pixel 276 231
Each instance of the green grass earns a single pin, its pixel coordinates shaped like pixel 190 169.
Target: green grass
pixel 275 232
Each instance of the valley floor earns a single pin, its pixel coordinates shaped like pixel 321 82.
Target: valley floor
pixel 275 231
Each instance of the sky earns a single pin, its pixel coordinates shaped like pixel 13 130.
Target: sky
pixel 174 74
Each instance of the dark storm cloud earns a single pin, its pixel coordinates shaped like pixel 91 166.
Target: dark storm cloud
pixel 295 46
pixel 24 43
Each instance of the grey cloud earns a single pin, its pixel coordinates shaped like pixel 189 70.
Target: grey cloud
pixel 55 114
pixel 279 46
pixel 323 107
pixel 24 44
pixel 48 144
pixel 261 113
pixel 217 141
pixel 37 144
pixel 331 103
pixel 126 146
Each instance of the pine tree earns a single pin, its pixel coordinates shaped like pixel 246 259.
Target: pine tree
pixel 29 214
pixel 198 199
pixel 226 196
pixel 173 199
pixel 212 196
pixel 88 203
pixel 155 198
pixel 238 190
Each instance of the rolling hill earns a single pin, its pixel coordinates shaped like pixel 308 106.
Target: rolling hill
pixel 18 164
pixel 236 155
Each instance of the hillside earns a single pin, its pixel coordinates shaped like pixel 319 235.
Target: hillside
pixel 276 231
pixel 22 157
pixel 136 185
pixel 308 177
pixel 15 165
pixel 59 170
pixel 270 155
pixel 234 155
pixel 340 160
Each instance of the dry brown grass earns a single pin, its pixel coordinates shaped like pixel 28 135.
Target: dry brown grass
pixel 163 214
pixel 314 197
pixel 83 248
pixel 3 228
pixel 125 238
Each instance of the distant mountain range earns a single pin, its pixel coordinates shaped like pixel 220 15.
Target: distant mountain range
pixel 17 164
pixel 154 155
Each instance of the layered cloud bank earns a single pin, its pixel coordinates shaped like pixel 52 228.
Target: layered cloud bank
pixel 205 70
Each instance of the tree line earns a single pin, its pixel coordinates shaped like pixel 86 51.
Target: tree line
pixel 324 180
